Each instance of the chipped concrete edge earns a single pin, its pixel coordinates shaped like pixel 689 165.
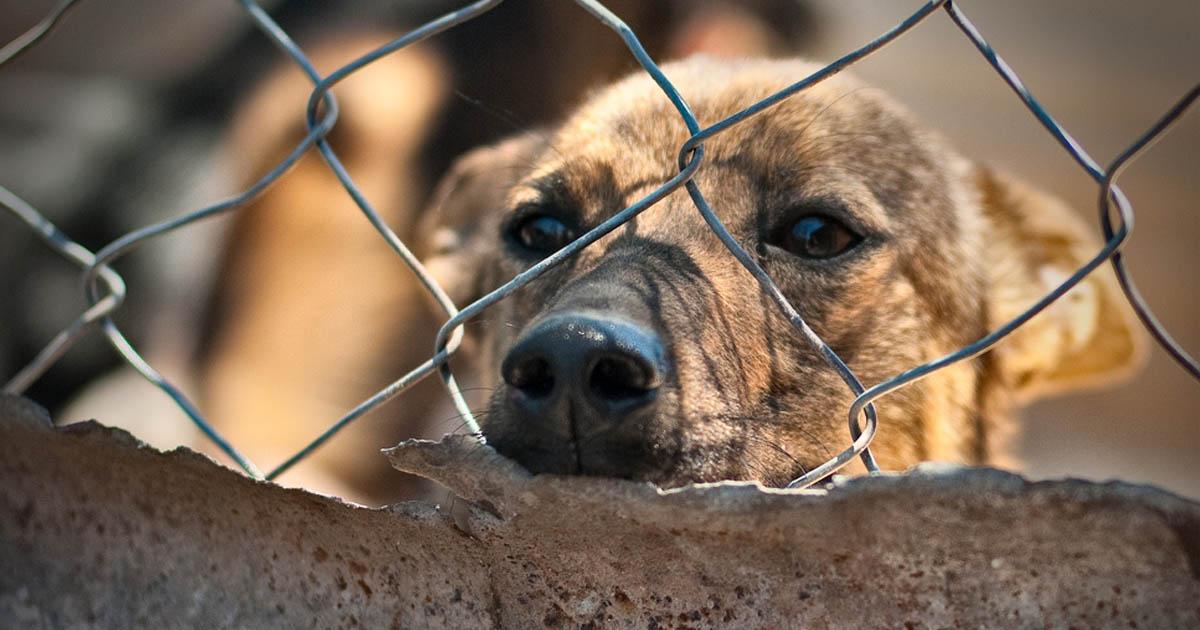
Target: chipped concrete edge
pixel 102 530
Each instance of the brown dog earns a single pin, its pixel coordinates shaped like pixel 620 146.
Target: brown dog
pixel 654 355
pixel 314 312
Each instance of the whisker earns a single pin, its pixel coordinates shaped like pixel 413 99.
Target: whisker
pixel 829 105
pixel 509 118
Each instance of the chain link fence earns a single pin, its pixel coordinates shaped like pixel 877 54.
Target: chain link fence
pixel 105 292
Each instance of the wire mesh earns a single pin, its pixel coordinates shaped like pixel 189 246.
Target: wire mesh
pixel 105 291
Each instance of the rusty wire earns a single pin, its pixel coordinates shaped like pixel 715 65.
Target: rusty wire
pixel 104 289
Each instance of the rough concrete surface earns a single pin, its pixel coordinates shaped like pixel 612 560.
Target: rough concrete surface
pixel 98 530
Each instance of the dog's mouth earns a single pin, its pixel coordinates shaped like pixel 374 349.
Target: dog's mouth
pixel 652 445
pixel 623 452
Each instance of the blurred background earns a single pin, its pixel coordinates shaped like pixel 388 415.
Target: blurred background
pixel 123 116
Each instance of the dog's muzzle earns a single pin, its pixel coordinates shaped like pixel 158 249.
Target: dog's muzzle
pixel 583 376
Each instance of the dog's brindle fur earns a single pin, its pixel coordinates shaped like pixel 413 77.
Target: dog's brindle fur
pixel 949 251
pixel 291 343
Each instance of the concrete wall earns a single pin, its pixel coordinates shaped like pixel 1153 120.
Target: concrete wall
pixel 97 530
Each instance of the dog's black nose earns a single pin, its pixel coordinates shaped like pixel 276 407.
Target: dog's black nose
pixel 590 367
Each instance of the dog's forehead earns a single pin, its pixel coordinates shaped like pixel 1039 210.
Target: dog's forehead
pixel 837 139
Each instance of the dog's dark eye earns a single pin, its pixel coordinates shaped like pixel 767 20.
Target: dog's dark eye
pixel 542 234
pixel 819 236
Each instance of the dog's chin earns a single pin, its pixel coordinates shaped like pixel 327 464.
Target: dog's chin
pixel 617 456
pixel 659 457
pixel 559 457
pixel 631 459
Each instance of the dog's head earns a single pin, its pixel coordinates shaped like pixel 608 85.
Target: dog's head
pixel 655 355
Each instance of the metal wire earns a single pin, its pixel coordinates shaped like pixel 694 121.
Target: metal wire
pixel 104 289
pixel 28 39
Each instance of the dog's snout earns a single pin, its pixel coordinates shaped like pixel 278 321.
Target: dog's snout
pixel 621 376
pixel 592 368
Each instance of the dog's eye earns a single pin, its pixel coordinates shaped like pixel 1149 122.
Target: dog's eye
pixel 819 236
pixel 542 233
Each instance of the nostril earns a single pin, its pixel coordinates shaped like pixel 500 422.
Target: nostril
pixel 594 370
pixel 532 376
pixel 619 378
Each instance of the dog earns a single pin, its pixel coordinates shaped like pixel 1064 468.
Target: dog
pixel 654 355
pixel 312 312
pixel 710 382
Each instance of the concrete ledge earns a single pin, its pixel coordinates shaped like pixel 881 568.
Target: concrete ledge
pixel 97 530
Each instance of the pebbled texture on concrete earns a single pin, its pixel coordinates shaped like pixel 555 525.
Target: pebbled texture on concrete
pixel 100 531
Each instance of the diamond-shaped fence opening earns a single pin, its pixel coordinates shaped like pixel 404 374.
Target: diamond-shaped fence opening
pixel 105 290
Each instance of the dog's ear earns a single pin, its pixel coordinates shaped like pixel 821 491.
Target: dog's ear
pixel 1033 243
pixel 457 230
